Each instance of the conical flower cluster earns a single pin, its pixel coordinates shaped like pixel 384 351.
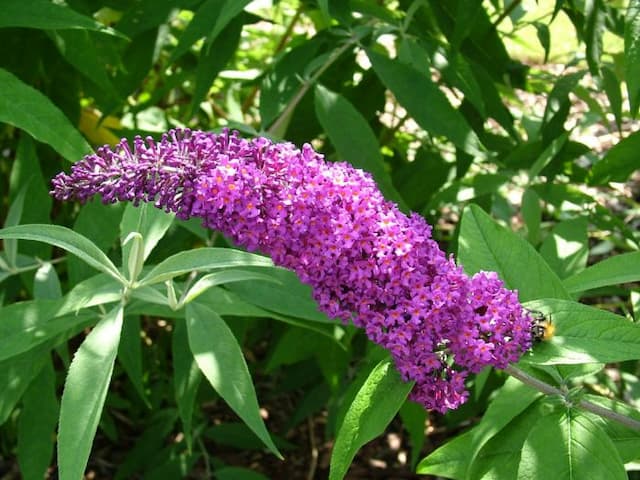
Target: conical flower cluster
pixel 367 262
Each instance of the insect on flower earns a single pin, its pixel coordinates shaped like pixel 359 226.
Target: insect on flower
pixel 542 327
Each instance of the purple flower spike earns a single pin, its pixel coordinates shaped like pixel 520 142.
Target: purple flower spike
pixel 366 261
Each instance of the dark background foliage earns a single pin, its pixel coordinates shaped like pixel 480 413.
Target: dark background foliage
pixel 524 109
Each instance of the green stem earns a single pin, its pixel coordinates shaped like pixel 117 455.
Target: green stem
pixel 307 84
pixel 281 45
pixel 584 404
pixel 34 266
pixel 506 12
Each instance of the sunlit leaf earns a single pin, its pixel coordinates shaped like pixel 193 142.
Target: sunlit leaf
pixel 220 359
pixel 567 445
pixel 202 259
pixel 84 394
pixel 585 334
pixel 67 239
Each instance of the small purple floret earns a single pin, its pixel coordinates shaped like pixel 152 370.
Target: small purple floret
pixel 367 262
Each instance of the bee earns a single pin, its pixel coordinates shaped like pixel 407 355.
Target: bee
pixel 542 327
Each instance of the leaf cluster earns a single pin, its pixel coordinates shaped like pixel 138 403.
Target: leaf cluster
pixel 510 126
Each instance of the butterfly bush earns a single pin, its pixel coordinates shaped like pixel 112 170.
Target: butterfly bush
pixel 366 261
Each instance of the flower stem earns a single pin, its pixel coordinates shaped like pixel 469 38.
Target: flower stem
pixel 584 404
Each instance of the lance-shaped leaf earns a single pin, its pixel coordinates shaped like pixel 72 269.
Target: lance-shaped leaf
pixel 37 424
pixel 373 408
pixel 26 108
pixel 425 102
pixel 623 268
pixel 353 138
pixel 186 377
pixel 202 259
pixel 220 359
pixel 485 245
pixel 223 277
pixel 632 54
pixel 47 15
pixel 84 394
pixel 619 162
pixel 68 240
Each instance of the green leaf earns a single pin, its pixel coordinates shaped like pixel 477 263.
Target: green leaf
pixel 532 215
pixel 594 28
pixel 288 297
pixel 13 218
pixel 512 400
pixel 425 102
pixel 618 163
pixel 622 268
pixel 612 87
pixel 293 346
pixel 421 179
pixel 144 16
pixel 353 138
pixel 500 456
pixel 84 394
pixel 414 417
pixel 466 189
pixel 26 108
pixel 558 105
pixel 566 248
pixel 281 84
pixel 548 155
pixel 626 439
pixel 46 15
pixel 92 54
pixel 46 284
pixel 544 37
pixel 68 240
pixel 461 75
pixel 152 223
pixel 324 9
pixel 213 58
pixel 37 424
pixel 465 19
pixel 220 359
pixel 375 405
pixel 450 460
pixel 492 99
pixel 26 170
pixel 97 290
pixel 130 354
pixel 572 446
pixel 149 450
pixel 485 245
pixel 208 21
pixel 186 377
pixel 202 259
pixel 497 459
pixel 585 334
pixel 15 376
pixel 99 223
pixel 26 325
pixel 632 54
pixel 224 277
